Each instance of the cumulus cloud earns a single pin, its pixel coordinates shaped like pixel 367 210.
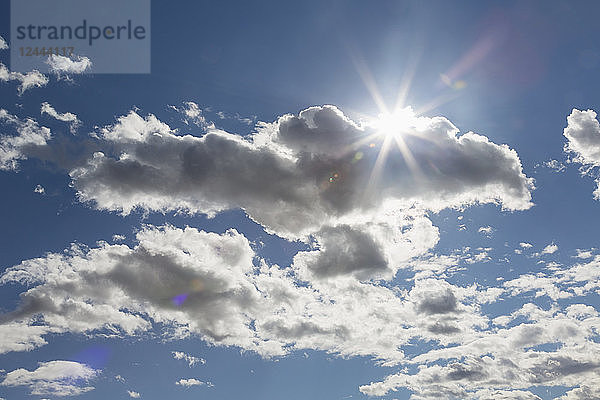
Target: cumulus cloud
pixel 54 378
pixel 29 136
pixel 133 395
pixel 189 382
pixel 66 65
pixel 39 189
pixel 205 284
pixel 550 249
pixel 583 141
pixel 18 336
pixel 191 360
pixel 314 176
pixel 27 81
pixel 310 169
pixel 503 360
pixel 74 122
pixel 3 44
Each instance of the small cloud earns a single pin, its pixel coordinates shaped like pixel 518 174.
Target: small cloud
pixel 119 378
pixel 56 378
pixel 3 45
pixel 29 80
pixel 191 360
pixel 584 254
pixel 118 238
pixel 66 65
pixel 550 249
pixel 74 122
pixel 525 245
pixel 555 165
pixel 132 394
pixel 486 230
pixel 39 189
pixel 193 114
pixel 191 382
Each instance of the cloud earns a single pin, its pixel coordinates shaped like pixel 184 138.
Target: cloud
pixel 74 122
pixel 133 395
pixel 39 189
pixel 207 269
pixel 22 337
pixel 550 249
pixel 66 65
pixel 191 360
pixel 54 378
pixel 29 137
pixel 555 165
pixel 193 115
pixel 584 254
pixel 27 81
pixel 193 282
pixel 309 176
pixel 297 174
pixel 118 238
pixel 583 141
pixel 189 382
pixel 583 136
pixel 197 283
pixel 486 230
pixel 373 249
pixel 3 44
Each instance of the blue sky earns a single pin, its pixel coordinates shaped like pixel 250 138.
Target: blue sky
pixel 259 218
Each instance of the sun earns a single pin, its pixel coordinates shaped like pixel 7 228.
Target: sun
pixel 394 124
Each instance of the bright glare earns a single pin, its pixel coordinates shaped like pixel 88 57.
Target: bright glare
pixel 396 123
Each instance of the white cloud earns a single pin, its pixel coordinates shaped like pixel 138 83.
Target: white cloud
pixel 201 283
pixel 311 166
pixel 39 189
pixel 3 44
pixel 118 238
pixel 583 141
pixel 192 114
pixel 584 254
pixel 27 81
pixel 550 249
pixel 65 65
pixel 15 336
pixel 502 359
pixel 486 230
pixel 189 382
pixel 30 136
pixel 55 378
pixel 133 395
pixel 191 360
pixel 525 245
pixel 555 165
pixel 74 122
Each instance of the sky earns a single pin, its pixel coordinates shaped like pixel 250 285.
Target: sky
pixel 318 199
